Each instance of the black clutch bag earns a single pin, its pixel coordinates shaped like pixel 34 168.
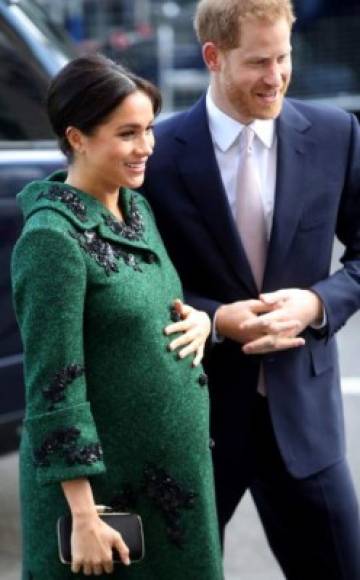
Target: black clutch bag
pixel 128 525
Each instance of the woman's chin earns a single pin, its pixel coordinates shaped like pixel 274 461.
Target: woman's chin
pixel 134 181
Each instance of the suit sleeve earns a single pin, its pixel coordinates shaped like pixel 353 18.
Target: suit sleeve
pixel 340 292
pixel 202 303
pixel 49 285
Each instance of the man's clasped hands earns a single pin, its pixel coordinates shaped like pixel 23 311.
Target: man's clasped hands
pixel 272 322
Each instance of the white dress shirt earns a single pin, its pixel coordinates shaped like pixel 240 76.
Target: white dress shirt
pixel 225 134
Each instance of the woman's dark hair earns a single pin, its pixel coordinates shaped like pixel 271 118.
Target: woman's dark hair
pixel 86 91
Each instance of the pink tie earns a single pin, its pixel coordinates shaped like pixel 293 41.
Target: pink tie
pixel 250 216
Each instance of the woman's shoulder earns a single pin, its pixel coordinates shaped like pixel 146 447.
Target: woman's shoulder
pixel 46 225
pixel 56 200
pixel 47 239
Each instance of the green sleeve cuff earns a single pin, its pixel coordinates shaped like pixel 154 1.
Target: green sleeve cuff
pixel 65 444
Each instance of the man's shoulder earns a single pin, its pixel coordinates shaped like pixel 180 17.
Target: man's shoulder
pixel 173 123
pixel 169 123
pixel 316 112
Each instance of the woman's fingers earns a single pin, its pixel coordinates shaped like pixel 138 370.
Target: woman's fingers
pixel 199 356
pixel 195 327
pixel 186 338
pixel 97 570
pixel 123 550
pixel 190 348
pixel 87 569
pixel 93 546
pixel 109 566
pixel 181 326
pixel 76 566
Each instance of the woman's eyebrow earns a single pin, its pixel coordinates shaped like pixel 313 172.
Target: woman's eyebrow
pixel 128 126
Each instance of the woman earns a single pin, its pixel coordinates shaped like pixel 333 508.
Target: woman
pixel 116 414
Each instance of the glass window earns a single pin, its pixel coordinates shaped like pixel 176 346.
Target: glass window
pixel 22 89
pixel 326 49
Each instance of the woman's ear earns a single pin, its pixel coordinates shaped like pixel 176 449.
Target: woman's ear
pixel 75 138
pixel 211 56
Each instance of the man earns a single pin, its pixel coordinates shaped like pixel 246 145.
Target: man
pixel 248 189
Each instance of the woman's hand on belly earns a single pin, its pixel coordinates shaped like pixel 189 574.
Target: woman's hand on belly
pixel 195 327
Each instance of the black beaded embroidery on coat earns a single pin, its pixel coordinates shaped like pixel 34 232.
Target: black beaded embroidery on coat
pixel 68 197
pixel 62 379
pixel 170 499
pixel 104 253
pixel 64 441
pixel 85 455
pixel 132 228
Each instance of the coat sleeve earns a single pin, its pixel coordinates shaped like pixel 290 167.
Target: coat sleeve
pixel 340 292
pixel 49 286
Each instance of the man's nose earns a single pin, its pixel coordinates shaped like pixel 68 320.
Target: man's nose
pixel 273 75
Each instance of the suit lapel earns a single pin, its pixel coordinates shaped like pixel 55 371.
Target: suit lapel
pixel 292 187
pixel 199 170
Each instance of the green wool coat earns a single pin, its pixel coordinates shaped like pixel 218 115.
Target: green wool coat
pixel 105 399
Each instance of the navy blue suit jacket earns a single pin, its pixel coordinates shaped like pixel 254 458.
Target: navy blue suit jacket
pixel 317 195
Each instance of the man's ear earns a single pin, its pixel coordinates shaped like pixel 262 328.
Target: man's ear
pixel 211 56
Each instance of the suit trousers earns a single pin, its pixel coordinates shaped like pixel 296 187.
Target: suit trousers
pixel 312 524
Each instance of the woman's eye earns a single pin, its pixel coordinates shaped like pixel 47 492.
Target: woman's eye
pixel 127 134
pixel 150 129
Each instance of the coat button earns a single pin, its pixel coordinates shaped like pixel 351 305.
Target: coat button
pixel 211 443
pixel 150 258
pixel 203 380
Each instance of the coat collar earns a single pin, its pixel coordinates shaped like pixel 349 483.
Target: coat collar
pixel 85 212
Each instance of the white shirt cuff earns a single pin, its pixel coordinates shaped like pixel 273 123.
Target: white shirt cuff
pixel 215 337
pixel 323 323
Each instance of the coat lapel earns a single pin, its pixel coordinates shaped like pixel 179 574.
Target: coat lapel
pixel 199 170
pixel 292 186
pixel 141 232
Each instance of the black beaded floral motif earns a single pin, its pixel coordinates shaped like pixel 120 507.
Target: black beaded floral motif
pixel 67 197
pixel 64 442
pixel 104 253
pixel 85 455
pixel 170 499
pixel 132 228
pixel 62 379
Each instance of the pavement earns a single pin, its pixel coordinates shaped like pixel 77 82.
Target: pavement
pixel 247 556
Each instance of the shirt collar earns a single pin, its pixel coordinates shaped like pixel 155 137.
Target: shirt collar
pixel 225 130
